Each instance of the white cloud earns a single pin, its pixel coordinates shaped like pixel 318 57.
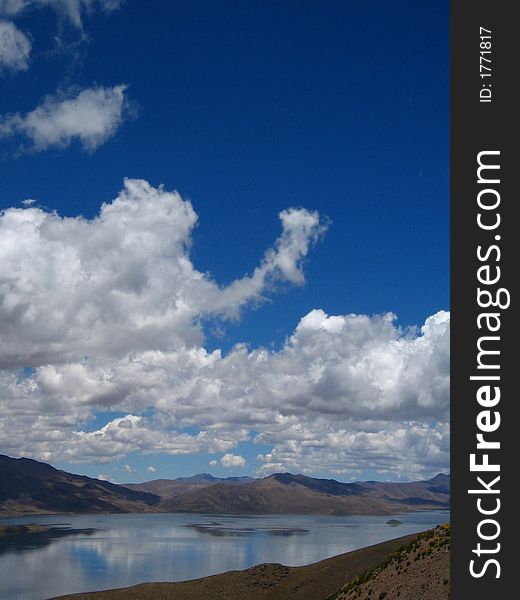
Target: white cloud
pixel 109 312
pixel 345 393
pixel 15 48
pixel 335 399
pixel 151 469
pixel 91 117
pixel 56 435
pixel 128 469
pixel 213 463
pixel 408 449
pixel 122 282
pixel 71 10
pixel 229 461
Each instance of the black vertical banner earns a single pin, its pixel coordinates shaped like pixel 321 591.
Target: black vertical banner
pixel 485 266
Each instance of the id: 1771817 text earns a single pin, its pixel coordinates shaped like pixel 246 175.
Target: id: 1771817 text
pixel 485 65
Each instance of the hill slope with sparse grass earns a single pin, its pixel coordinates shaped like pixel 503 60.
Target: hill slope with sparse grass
pixel 417 569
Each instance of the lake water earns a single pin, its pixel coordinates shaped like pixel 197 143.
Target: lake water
pixel 94 552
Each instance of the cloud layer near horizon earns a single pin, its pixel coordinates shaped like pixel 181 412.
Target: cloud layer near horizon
pixel 108 313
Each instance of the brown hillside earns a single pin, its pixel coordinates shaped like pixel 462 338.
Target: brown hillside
pixel 298 494
pixel 418 569
pixel 28 487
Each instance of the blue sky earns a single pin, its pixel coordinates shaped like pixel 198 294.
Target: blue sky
pixel 248 109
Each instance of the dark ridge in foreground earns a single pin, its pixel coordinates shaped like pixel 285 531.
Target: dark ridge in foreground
pixel 317 581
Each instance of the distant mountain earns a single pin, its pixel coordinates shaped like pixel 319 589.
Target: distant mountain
pixel 299 494
pixel 435 491
pixel 207 478
pixel 168 488
pixel 28 486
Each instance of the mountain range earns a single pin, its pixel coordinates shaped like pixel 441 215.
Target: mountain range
pixel 28 487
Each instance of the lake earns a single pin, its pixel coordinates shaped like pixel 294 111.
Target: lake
pixel 94 552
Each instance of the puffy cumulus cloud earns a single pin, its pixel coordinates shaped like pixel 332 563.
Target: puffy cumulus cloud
pixel 106 315
pixel 404 449
pixel 91 116
pixel 15 48
pixel 124 281
pixel 395 422
pixel 151 469
pixel 56 437
pixel 134 434
pixel 72 10
pixel 213 463
pixel 229 461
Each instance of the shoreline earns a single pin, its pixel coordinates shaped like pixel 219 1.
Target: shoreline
pixel 4 517
pixel 266 581
pixel 414 566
